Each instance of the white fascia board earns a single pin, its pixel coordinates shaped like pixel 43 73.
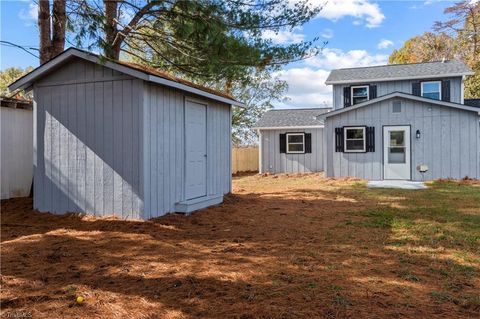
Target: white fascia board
pixel 405 96
pixel 418 77
pixel 287 127
pixel 24 81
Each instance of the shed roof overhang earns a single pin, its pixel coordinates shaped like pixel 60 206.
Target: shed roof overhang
pixel 405 96
pixel 25 82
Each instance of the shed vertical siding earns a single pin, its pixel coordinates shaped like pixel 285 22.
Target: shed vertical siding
pixel 163 147
pixel 449 142
pixel 88 146
pixel 273 161
pixel 405 86
pixel 16 152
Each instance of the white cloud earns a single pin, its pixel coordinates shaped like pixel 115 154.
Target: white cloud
pixel 307 84
pixel 336 59
pixel 284 36
pixel 327 33
pixel 29 15
pixel 362 10
pixel 384 44
pixel 306 88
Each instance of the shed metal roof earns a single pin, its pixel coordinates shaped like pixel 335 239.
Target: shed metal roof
pixel 132 69
pixel 394 72
pixel 294 118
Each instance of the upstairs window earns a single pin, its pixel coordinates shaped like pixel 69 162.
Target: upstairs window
pixel 355 139
pixel 431 90
pixel 295 143
pixel 360 94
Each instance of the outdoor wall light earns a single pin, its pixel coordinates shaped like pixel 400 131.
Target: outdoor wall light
pixel 418 134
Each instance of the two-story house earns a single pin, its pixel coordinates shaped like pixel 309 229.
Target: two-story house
pixel 402 122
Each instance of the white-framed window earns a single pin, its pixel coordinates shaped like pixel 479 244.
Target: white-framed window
pixel 295 143
pixel 355 141
pixel 360 94
pixel 431 90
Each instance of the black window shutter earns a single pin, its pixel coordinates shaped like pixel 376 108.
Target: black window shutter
pixel 446 90
pixel 308 143
pixel 339 139
pixel 346 96
pixel 370 139
pixel 283 143
pixel 416 89
pixel 373 92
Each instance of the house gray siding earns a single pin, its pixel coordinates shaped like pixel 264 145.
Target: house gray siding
pixel 110 144
pixel 273 161
pixel 88 150
pixel 449 143
pixel 163 144
pixel 384 88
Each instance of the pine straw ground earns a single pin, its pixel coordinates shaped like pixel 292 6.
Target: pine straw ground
pixel 279 247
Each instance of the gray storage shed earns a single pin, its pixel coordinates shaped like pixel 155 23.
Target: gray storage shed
pixel 112 138
pixel 291 140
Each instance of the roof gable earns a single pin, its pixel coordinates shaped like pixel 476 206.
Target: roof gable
pixel 396 72
pixel 405 96
pixel 293 118
pixel 134 70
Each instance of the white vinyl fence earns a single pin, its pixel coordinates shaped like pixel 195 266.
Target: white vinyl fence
pixel 16 167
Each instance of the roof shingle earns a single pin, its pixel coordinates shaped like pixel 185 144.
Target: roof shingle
pixel 399 71
pixel 292 118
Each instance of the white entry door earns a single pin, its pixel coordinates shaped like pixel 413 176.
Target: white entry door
pixel 195 149
pixel 396 152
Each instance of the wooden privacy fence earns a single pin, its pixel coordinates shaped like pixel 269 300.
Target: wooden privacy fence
pixel 244 159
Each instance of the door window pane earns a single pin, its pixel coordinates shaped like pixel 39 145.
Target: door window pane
pixel 397 138
pixel 397 155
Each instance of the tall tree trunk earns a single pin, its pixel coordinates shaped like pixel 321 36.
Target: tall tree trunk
pixel 111 29
pixel 44 28
pixel 52 28
pixel 58 21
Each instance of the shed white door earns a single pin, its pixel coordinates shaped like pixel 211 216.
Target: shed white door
pixel 396 152
pixel 196 150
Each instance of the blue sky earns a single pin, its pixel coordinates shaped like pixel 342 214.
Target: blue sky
pixel 359 33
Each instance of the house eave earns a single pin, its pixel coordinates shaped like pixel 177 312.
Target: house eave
pixel 405 96
pixel 418 77
pixel 287 127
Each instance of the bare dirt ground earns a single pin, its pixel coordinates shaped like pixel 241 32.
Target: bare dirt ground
pixel 279 247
